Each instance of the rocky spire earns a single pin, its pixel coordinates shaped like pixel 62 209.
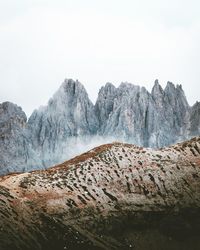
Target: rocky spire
pixel 104 103
pixel 69 113
pixel 157 89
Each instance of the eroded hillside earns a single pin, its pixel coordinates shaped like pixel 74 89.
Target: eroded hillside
pixel 116 196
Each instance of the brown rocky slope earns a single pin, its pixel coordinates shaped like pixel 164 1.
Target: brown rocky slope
pixel 116 196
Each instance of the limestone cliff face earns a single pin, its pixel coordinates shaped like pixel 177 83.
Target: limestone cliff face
pixel 116 196
pixel 69 114
pixel 128 113
pixel 153 119
pixel 13 142
pixel 121 111
pixel 169 116
pixel 195 119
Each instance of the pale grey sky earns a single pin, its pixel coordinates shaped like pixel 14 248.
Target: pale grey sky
pixel 96 41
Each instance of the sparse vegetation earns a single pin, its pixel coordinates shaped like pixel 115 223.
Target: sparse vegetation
pixel 113 197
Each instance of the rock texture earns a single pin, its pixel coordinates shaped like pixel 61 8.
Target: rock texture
pixel 70 122
pixel 68 115
pixel 14 146
pixel 116 196
pixel 195 119
pixel 153 120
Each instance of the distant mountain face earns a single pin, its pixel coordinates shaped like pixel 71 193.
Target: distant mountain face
pixel 70 123
pixel 116 196
pixel 153 119
pixel 13 143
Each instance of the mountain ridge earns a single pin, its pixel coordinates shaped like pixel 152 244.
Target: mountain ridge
pixel 128 113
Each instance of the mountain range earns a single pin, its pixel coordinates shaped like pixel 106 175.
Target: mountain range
pixel 70 123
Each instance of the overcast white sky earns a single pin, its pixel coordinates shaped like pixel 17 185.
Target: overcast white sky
pixel 96 41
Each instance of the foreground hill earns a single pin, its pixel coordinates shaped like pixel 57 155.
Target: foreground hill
pixel 130 113
pixel 116 196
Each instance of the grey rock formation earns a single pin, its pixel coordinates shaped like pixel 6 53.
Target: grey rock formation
pixel 169 116
pixel 132 113
pixel 69 114
pixel 71 124
pixel 195 119
pixel 13 142
pixel 122 111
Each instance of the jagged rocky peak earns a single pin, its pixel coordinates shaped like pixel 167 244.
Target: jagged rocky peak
pixel 127 85
pixel 69 110
pixel 69 90
pixel 118 108
pixel 131 112
pixel 106 92
pixel 196 106
pixel 69 114
pixel 176 98
pixel 104 103
pixel 128 89
pixel 13 143
pixel 72 87
pixel 12 122
pixel 108 88
pixel 157 90
pixel 170 86
pixel 176 94
pixel 12 114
